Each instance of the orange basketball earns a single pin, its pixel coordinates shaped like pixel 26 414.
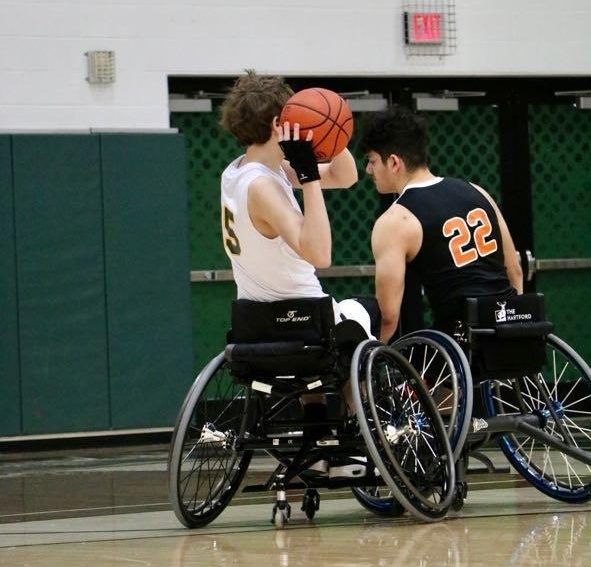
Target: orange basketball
pixel 324 112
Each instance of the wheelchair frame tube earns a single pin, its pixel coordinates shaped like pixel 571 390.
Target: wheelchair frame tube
pixel 531 425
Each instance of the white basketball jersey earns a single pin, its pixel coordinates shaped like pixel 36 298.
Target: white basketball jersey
pixel 265 269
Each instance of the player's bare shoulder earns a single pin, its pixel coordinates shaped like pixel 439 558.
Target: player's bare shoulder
pixel 399 219
pixel 265 188
pixel 398 227
pixel 266 200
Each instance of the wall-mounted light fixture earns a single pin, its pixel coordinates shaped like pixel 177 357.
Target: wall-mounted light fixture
pixel 181 103
pixel 100 67
pixel 190 105
pixel 431 102
pixel 582 98
pixel 364 101
pixel 442 101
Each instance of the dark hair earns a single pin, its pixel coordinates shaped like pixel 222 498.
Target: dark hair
pixel 251 105
pixel 398 131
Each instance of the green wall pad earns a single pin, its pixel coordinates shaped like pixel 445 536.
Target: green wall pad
pixel 147 278
pixel 560 142
pixel 10 400
pixel 560 145
pixel 58 217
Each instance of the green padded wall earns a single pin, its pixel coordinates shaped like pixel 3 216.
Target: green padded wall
pixel 560 146
pixel 147 277
pixel 463 144
pixel 10 400
pixel 58 216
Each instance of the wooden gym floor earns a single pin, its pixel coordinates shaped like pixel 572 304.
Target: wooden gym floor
pixel 108 507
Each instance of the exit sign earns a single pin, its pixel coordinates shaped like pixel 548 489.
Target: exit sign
pixel 423 28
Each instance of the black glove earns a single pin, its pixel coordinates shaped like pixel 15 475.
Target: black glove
pixel 301 157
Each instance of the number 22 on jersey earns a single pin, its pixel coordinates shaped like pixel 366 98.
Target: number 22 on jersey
pixel 464 246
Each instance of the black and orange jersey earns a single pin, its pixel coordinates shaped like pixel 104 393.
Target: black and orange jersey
pixel 462 251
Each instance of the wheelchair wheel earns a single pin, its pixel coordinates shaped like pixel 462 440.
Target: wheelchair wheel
pixel 444 368
pixel 206 464
pixel 403 431
pixel 562 393
pixel 376 499
pixel 379 500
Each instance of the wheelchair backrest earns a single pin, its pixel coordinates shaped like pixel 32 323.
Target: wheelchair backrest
pixel 309 319
pixel 507 336
pixel 287 337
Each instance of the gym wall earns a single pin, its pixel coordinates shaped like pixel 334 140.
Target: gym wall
pixel 96 328
pixel 44 86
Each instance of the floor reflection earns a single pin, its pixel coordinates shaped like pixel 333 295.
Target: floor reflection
pixel 542 540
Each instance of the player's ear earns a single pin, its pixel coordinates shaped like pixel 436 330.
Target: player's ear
pixel 275 127
pixel 394 162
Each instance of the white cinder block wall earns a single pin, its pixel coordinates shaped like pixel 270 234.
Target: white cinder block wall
pixel 43 68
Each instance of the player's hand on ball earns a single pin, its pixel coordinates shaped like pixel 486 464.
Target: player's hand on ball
pixel 299 153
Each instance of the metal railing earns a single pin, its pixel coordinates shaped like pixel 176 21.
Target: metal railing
pixel 369 270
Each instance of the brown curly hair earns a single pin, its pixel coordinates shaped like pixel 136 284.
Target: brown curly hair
pixel 251 105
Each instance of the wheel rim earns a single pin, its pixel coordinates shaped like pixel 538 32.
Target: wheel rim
pixel 561 393
pixel 376 499
pixel 421 452
pixel 208 464
pixel 377 410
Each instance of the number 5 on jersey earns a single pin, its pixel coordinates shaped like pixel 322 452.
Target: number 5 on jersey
pixel 231 241
pixel 461 237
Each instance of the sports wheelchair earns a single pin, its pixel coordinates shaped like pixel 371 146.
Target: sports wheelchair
pixel 535 393
pixel 247 401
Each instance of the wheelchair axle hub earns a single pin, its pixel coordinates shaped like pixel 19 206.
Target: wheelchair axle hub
pixel 209 434
pixel 558 409
pixel 393 434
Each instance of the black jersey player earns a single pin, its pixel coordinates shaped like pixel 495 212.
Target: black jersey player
pixel 448 230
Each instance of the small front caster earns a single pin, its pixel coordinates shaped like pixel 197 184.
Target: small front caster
pixel 311 502
pixel 459 496
pixel 281 514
